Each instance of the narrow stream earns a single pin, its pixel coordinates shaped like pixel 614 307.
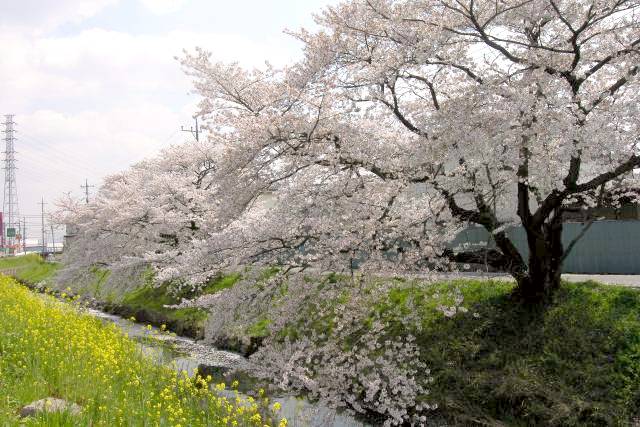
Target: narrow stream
pixel 186 354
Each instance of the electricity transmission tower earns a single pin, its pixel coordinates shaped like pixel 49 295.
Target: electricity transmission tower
pixel 10 202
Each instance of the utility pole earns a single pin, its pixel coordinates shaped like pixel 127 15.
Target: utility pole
pixel 195 132
pixel 10 202
pixel 53 239
pixel 86 187
pixel 24 234
pixel 44 245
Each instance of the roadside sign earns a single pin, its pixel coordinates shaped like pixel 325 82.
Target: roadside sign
pixel 11 232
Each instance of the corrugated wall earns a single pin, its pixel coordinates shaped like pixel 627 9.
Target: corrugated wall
pixel 608 247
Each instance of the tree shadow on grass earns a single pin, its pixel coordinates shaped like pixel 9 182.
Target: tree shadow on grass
pixel 574 362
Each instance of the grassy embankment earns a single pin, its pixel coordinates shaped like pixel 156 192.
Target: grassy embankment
pixel 50 349
pixel 28 268
pixel 146 301
pixel 575 363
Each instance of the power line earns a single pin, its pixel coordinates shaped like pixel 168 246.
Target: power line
pixel 33 164
pixel 63 159
pixel 41 159
pixel 53 149
pixel 66 165
pixel 68 157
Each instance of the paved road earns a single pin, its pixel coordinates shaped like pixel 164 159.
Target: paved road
pixel 609 279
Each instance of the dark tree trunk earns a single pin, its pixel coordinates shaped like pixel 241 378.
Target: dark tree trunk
pixel 545 261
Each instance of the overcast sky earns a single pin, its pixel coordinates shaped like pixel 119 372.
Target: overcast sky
pixel 94 85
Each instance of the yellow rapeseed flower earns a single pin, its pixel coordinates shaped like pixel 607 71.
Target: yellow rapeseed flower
pixel 56 336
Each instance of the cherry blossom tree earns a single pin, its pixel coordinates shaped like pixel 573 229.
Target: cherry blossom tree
pixel 404 123
pixel 409 120
pixel 150 213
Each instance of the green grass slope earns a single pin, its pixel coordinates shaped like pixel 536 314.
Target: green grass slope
pixel 576 363
pixel 148 303
pixel 28 268
pixel 50 349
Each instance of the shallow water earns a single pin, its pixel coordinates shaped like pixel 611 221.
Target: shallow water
pixel 185 354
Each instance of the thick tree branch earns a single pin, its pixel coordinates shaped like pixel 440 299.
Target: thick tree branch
pixel 555 199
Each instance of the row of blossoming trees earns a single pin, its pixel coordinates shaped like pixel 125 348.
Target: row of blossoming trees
pixel 404 122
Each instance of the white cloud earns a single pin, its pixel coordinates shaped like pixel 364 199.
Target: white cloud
pixel 92 103
pixel 101 67
pixel 163 7
pixel 38 16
